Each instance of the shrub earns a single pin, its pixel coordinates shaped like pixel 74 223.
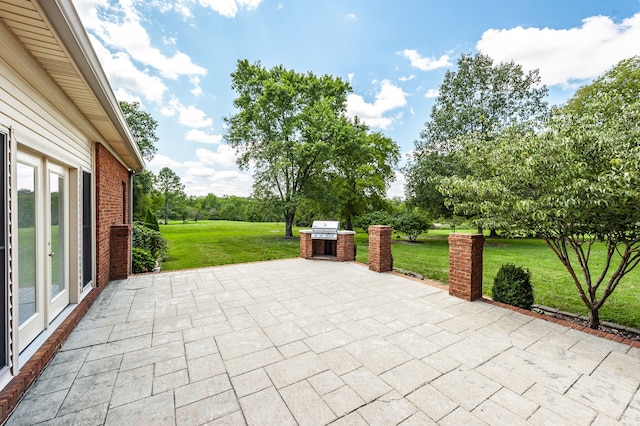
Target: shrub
pixel 143 260
pixel 410 223
pixel 150 240
pixel 151 221
pixel 374 218
pixel 512 285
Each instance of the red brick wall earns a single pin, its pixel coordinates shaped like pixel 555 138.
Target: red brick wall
pixel 380 248
pixel 112 179
pixel 306 245
pixel 465 266
pixel 345 250
pixel 119 251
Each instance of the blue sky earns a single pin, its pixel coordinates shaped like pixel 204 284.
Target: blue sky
pixel 175 58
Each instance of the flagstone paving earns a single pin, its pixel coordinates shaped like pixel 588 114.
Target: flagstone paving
pixel 312 343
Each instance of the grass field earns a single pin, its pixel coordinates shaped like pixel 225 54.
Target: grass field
pixel 208 243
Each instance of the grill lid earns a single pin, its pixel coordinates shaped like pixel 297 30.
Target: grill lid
pixel 325 229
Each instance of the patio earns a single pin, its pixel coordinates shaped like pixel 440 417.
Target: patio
pixel 309 342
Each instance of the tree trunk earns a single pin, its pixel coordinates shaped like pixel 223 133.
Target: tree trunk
pixel 166 209
pixel 594 318
pixel 349 224
pixel 288 224
pixel 493 233
pixel 480 230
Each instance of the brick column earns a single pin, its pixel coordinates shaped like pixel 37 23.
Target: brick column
pixel 380 248
pixel 345 250
pixel 465 266
pixel 120 249
pixel 306 244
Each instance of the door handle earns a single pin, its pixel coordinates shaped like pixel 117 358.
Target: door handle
pixel 52 254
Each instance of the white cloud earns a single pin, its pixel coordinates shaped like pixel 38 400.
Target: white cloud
pixel 389 98
pixel 121 30
pixel 212 172
pixel 197 135
pixel 196 90
pixel 126 77
pixel 350 77
pixel 229 8
pixel 432 93
pixel 159 161
pixel 566 56
pixel 407 78
pixel 224 156
pixel 425 64
pixel 189 116
pixel 280 6
pixel 352 17
pixel 225 182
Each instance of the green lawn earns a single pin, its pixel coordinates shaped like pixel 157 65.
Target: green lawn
pixel 207 243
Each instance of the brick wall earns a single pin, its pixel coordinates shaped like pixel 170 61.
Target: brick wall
pixel 112 207
pixel 306 245
pixel 465 266
pixel 380 248
pixel 345 251
pixel 120 248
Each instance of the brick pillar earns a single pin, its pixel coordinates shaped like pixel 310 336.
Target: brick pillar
pixel 380 248
pixel 465 266
pixel 306 244
pixel 345 251
pixel 120 249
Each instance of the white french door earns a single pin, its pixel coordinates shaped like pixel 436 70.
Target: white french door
pixel 42 244
pixel 58 224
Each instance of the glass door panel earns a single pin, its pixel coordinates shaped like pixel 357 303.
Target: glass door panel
pixel 56 233
pixel 30 295
pixel 26 242
pixel 57 221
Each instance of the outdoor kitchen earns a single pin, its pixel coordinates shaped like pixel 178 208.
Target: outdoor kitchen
pixel 326 241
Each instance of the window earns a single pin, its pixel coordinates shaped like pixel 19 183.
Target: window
pixel 87 248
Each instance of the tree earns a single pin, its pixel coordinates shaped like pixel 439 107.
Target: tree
pixel 168 184
pixel 411 223
pixel 574 185
pixel 143 128
pixel 362 168
pixel 283 129
pixel 479 99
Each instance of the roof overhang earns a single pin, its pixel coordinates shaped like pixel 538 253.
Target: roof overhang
pixel 53 35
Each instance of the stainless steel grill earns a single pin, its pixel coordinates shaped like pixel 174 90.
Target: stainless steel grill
pixel 325 230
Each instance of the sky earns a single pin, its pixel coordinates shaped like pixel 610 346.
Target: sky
pixel 175 58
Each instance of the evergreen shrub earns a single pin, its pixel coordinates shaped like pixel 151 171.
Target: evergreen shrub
pixel 512 285
pixel 143 260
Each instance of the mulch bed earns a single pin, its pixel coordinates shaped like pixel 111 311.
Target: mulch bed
pixel 615 329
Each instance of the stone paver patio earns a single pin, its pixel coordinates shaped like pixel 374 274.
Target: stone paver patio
pixel 309 342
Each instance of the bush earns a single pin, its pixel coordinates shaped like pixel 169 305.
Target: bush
pixel 374 218
pixel 512 285
pixel 150 240
pixel 151 221
pixel 411 224
pixel 143 260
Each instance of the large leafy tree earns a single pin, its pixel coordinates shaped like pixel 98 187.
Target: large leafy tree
pixel 362 168
pixel 574 185
pixel 283 130
pixel 478 99
pixel 143 128
pixel 168 184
